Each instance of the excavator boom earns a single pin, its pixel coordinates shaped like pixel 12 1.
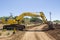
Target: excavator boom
pixel 20 17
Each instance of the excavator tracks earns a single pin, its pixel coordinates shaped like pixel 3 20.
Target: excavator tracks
pixel 16 26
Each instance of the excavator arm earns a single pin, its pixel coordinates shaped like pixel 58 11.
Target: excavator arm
pixel 43 17
pixel 20 17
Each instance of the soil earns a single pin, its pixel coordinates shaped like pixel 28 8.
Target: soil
pixel 56 32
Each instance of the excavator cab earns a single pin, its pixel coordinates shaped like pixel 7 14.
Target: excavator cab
pixel 13 24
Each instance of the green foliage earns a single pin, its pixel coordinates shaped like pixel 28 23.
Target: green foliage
pixel 5 17
pixel 34 19
pixel 25 19
pixel 57 21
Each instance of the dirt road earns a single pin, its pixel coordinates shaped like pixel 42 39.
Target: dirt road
pixel 32 35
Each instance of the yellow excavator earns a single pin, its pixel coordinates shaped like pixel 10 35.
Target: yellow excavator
pixel 15 23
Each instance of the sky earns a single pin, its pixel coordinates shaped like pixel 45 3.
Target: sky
pixel 17 7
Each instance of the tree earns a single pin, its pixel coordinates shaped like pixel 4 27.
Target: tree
pixel 57 21
pixel 35 19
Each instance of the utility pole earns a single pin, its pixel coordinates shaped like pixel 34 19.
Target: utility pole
pixel 50 16
pixel 11 16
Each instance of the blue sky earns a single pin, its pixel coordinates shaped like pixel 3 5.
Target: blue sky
pixel 16 7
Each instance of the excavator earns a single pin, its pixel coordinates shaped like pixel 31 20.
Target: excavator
pixel 14 24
